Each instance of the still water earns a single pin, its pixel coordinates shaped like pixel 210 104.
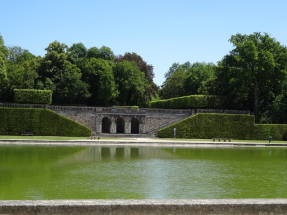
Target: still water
pixel 55 172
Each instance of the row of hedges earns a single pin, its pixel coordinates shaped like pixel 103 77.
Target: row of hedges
pixel 186 102
pixel 277 131
pixel 235 126
pixel 32 96
pixel 39 122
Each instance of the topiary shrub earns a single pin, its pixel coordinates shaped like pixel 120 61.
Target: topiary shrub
pixel 212 125
pixel 277 131
pixel 186 102
pixel 40 122
pixel 236 126
pixel 32 96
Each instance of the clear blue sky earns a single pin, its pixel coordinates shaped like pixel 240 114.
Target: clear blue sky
pixel 161 31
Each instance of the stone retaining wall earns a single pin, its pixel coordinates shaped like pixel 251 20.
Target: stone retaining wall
pixel 146 207
pixel 150 119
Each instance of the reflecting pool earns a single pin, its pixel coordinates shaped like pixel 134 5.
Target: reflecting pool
pixel 57 172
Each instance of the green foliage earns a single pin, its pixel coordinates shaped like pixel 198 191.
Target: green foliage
pixel 98 73
pixel 186 102
pixel 57 73
pixel 198 78
pixel 134 107
pixel 276 131
pixel 18 55
pixel 3 71
pixel 186 79
pixel 32 96
pixel 21 70
pixel 130 83
pixel 41 122
pixel 150 87
pixel 235 126
pixel 77 51
pixel 279 108
pixel 104 53
pixel 77 75
pixel 251 75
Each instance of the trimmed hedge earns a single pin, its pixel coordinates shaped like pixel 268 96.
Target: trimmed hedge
pixel 39 122
pixel 276 131
pixel 186 102
pixel 236 126
pixel 32 96
pixel 134 107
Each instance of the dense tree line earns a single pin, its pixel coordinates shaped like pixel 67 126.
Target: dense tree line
pixel 252 76
pixel 78 75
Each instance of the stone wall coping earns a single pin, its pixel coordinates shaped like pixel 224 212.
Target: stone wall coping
pixel 123 114
pixel 123 109
pixel 139 142
pixel 143 202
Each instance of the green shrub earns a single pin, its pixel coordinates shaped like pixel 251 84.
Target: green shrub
pixel 185 102
pixel 32 96
pixel 134 107
pixel 236 126
pixel 277 131
pixel 40 122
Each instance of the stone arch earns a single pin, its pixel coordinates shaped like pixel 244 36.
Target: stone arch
pixel 120 124
pixel 135 126
pixel 106 125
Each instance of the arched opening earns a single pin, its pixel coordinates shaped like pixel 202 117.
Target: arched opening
pixel 135 126
pixel 106 125
pixel 120 125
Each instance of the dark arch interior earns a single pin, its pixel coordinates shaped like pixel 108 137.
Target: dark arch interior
pixel 120 125
pixel 134 126
pixel 106 125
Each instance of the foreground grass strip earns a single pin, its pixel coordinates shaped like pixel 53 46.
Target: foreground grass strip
pixel 40 138
pixel 232 141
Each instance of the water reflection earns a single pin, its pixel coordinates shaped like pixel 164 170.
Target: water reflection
pixel 117 153
pixel 103 172
pixel 135 152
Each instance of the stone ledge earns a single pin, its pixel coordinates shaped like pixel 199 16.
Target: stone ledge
pixel 145 207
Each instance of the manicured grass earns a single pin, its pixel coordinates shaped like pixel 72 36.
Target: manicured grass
pixel 40 122
pixel 2 137
pixel 232 140
pixel 5 137
pixel 234 126
pixel 178 140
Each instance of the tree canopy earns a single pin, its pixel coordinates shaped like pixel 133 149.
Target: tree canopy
pixel 252 76
pixel 187 79
pixel 77 75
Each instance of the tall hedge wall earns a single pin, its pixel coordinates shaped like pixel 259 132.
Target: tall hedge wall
pixel 185 102
pixel 277 131
pixel 32 96
pixel 40 122
pixel 236 126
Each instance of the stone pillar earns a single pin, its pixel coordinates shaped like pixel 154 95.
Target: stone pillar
pixel 98 123
pixel 142 125
pixel 113 125
pixel 127 125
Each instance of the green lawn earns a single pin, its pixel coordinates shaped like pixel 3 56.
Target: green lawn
pixel 232 140
pixel 2 137
pixel 41 138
